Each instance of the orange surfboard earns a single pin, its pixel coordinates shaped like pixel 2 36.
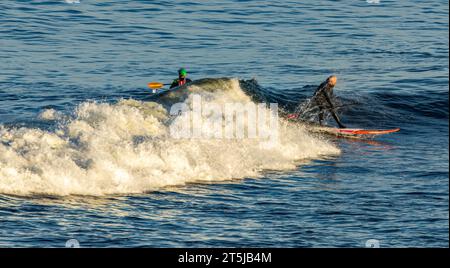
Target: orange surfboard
pixel 355 131
pixel 352 132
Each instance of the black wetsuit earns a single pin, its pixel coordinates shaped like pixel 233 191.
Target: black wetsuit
pixel 322 99
pixel 178 82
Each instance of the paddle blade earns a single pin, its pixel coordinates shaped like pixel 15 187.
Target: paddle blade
pixel 155 85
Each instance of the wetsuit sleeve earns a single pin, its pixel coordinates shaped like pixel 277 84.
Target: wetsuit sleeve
pixel 332 111
pixel 188 80
pixel 320 89
pixel 174 83
pixel 327 98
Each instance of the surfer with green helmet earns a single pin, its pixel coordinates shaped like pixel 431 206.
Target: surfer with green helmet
pixel 181 80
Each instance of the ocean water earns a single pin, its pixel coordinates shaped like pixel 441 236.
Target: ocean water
pixel 85 153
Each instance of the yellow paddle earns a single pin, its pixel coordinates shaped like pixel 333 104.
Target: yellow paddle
pixel 155 85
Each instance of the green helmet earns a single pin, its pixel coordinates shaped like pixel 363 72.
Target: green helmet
pixel 182 72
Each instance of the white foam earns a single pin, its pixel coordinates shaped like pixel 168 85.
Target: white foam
pixel 126 148
pixel 72 1
pixel 49 115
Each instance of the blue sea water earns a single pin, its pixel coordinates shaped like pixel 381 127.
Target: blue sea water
pixel 391 60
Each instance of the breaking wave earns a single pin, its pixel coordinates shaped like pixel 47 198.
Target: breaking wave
pixel 126 147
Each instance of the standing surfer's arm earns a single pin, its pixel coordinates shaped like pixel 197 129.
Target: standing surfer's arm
pixel 332 111
pixel 338 121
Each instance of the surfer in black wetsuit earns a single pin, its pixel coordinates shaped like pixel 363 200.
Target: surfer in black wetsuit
pixel 181 80
pixel 322 99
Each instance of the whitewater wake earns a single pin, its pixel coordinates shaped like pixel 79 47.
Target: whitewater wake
pixel 126 147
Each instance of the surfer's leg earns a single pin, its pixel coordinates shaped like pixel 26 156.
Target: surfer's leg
pixel 321 114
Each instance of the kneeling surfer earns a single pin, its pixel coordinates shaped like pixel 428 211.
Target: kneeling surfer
pixel 181 80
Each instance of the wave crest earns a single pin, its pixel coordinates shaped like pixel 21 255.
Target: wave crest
pixel 126 147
